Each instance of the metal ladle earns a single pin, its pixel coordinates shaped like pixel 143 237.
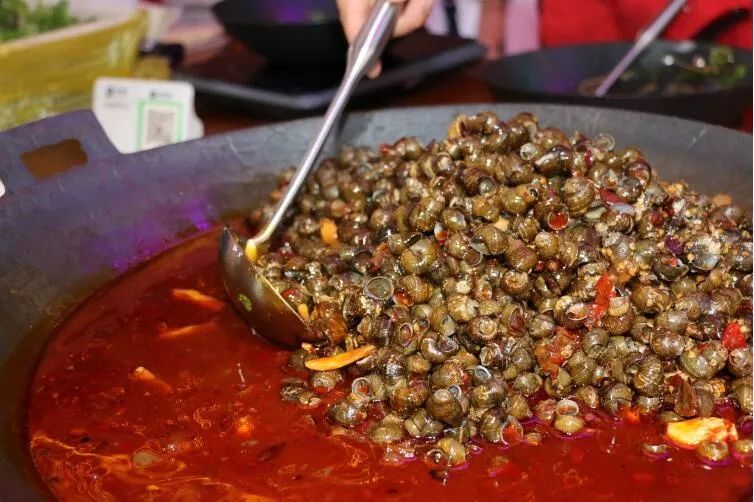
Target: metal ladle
pixel 251 293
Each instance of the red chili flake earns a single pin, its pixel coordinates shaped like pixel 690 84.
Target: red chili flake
pixel 385 148
pixel 610 197
pixel 540 266
pixel 288 293
pixel 732 337
pixel 605 290
pixel 552 354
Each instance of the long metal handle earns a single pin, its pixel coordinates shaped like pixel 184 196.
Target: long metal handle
pixel 645 38
pixel 362 56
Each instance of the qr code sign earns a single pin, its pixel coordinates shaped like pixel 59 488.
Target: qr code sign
pixel 159 124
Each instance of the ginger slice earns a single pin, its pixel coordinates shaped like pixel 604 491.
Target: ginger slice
pixel 303 311
pixel 328 231
pixel 340 360
pixel 141 374
pixel 199 298
pixel 251 251
pixel 690 433
pixel 191 329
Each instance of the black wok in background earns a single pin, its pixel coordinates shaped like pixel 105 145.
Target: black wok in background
pixel 69 234
pixel 553 75
pixel 287 33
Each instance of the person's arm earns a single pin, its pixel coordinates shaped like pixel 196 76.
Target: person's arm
pixel 491 27
pixel 353 14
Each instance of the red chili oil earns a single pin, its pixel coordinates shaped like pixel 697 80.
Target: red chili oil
pixel 210 422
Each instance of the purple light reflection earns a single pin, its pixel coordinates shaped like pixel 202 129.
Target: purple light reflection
pixel 124 247
pixel 300 11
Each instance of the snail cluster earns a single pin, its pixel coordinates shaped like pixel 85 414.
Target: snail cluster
pixel 510 273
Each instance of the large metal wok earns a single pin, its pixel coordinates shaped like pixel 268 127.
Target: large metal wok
pixel 66 235
pixel 553 75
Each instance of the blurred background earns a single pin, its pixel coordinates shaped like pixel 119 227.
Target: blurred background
pixel 255 61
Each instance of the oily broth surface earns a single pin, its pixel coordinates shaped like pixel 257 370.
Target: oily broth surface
pixel 96 432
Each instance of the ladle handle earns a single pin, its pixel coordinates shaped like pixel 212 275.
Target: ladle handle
pixel 363 54
pixel 643 40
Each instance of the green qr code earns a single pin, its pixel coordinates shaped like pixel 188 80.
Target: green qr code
pixel 160 124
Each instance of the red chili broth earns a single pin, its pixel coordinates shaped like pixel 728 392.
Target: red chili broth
pixel 87 417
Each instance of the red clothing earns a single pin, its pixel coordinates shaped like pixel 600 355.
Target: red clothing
pixel 565 22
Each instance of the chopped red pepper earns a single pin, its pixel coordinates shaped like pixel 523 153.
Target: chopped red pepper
pixel 553 353
pixel 609 197
pixel 288 293
pixel 605 291
pixel 732 337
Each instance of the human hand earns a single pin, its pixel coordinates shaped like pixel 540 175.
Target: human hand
pixel 353 14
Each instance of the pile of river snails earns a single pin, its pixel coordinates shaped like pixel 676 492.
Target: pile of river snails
pixel 508 274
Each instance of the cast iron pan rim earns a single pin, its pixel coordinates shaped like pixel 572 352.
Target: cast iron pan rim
pixel 514 61
pixel 524 106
